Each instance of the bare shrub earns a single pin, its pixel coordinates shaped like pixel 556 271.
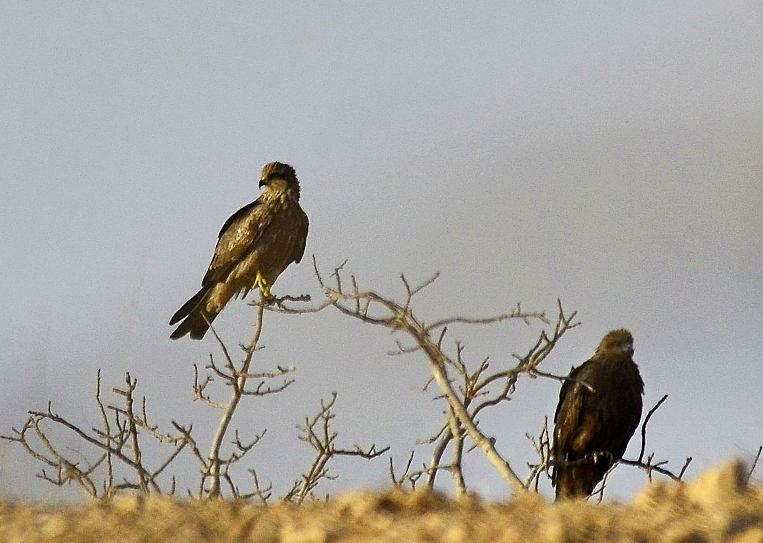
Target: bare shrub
pixel 466 390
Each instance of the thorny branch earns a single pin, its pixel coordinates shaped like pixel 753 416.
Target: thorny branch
pixel 120 439
pixel 467 391
pixel 117 439
pixel 216 469
pixel 317 433
pixel 753 464
pixel 542 446
pixel 238 378
pixel 649 466
pixel 475 391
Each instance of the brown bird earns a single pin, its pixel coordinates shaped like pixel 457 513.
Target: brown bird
pixel 599 409
pixel 254 246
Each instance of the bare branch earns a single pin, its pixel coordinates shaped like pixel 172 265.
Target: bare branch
pixel 646 421
pixel 318 434
pixel 753 464
pixel 370 307
pixel 399 481
pixel 237 391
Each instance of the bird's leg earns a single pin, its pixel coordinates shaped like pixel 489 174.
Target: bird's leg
pixel 603 455
pixel 261 283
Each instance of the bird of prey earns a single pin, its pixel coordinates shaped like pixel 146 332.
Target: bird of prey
pixel 599 409
pixel 254 246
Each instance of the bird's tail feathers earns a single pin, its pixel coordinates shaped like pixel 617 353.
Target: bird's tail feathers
pixel 196 324
pixel 189 306
pixel 578 481
pixel 197 316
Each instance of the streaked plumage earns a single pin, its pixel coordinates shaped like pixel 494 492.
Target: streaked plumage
pixel 599 421
pixel 254 246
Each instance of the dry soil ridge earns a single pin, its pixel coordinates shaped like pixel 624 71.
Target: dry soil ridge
pixel 718 506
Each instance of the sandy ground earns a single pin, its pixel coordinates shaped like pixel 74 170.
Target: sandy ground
pixel 718 506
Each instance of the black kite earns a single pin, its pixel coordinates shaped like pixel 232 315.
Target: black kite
pixel 599 409
pixel 254 246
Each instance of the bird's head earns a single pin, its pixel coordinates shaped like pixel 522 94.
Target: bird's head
pixel 279 177
pixel 616 342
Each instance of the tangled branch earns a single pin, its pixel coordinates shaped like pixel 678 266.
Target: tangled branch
pixel 475 391
pixel 317 433
pixel 117 441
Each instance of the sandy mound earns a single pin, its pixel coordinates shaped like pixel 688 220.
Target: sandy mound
pixel 718 506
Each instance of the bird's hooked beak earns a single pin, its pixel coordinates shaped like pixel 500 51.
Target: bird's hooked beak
pixel 262 183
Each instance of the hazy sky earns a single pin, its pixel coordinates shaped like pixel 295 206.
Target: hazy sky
pixel 610 155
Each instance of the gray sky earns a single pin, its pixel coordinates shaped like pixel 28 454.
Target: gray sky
pixel 608 155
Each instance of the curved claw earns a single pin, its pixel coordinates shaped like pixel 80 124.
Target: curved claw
pixel 261 283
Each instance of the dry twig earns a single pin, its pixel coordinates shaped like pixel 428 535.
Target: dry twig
pixel 475 392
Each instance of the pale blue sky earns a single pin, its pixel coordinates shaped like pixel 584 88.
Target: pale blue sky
pixel 609 155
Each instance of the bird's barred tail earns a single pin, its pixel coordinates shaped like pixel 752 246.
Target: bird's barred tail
pixel 197 318
pixel 194 324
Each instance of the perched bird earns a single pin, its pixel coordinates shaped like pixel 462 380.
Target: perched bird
pixel 254 246
pixel 599 409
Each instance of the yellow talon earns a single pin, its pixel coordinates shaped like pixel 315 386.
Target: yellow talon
pixel 261 283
